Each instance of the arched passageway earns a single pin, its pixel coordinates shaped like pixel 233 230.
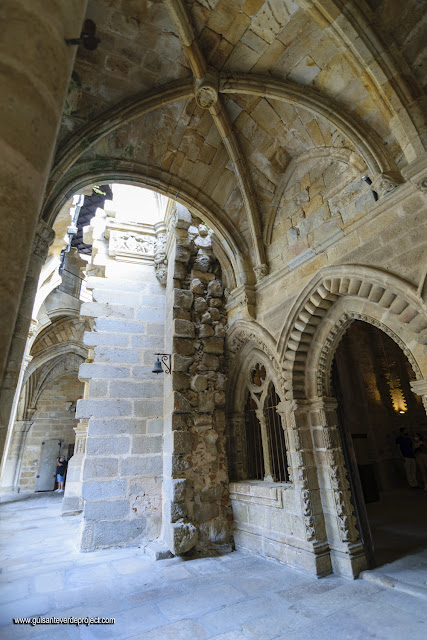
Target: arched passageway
pixel 371 380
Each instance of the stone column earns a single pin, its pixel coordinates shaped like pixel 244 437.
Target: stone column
pixel 265 445
pixel 307 509
pixel 11 458
pixel 72 503
pixel 347 552
pixel 10 479
pixel 44 238
pixel 34 76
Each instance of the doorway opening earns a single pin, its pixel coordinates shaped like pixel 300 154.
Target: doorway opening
pixel 371 380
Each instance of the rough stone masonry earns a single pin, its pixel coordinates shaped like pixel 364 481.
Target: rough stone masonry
pixel 197 512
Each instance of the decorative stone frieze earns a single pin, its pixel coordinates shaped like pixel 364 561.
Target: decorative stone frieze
pixel 160 257
pixel 128 244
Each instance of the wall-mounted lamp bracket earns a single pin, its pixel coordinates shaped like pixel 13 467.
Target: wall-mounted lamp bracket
pixel 87 36
pixel 165 359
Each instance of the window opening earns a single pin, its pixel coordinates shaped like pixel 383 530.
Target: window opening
pixel 276 437
pixel 254 452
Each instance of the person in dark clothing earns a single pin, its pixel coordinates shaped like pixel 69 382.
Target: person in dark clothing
pixel 61 467
pixel 406 452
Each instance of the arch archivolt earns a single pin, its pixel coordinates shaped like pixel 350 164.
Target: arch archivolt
pixel 319 366
pixel 113 170
pixel 381 297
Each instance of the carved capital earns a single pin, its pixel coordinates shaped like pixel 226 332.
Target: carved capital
pixel 422 185
pixel 383 184
pixel 261 270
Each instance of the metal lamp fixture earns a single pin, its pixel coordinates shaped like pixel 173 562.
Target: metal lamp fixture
pixel 87 36
pixel 165 359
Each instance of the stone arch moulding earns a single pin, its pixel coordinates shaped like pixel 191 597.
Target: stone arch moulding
pixel 339 154
pixel 319 376
pixel 362 291
pixel 113 170
pixel 246 341
pixel 64 365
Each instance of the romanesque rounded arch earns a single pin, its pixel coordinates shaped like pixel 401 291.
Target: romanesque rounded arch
pixel 361 290
pixel 318 374
pixel 137 174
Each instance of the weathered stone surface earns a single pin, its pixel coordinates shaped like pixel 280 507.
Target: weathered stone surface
pixel 206 331
pixel 215 289
pixel 180 381
pixel 209 363
pixel 199 383
pixel 203 261
pixel 200 305
pixel 196 286
pixel 206 402
pixel 204 512
pixel 181 404
pixel 183 537
pixel 184 328
pixel 180 363
pixel 214 345
pixel 182 299
pixel 183 347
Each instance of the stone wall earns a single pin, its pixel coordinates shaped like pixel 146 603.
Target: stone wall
pixel 197 511
pixel 52 420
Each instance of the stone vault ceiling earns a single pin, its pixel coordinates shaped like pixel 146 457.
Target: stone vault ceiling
pixel 227 105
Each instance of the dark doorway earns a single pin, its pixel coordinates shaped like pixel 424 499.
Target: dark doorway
pixel 371 380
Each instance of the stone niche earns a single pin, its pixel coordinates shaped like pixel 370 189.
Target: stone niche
pixel 197 512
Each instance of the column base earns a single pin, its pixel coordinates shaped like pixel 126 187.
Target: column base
pixel 349 561
pixel 72 506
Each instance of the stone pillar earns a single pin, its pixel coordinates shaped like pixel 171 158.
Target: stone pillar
pixel 347 552
pixel 9 386
pixel 10 478
pixel 34 76
pixel 197 510
pixel 72 503
pixel 11 458
pixel 307 512
pixel 123 403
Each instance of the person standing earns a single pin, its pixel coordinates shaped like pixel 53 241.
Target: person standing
pixel 406 452
pixel 61 467
pixel 420 451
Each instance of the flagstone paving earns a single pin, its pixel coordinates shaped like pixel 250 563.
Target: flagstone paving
pixel 232 597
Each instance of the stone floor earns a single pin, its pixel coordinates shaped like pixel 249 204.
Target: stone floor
pixel 234 597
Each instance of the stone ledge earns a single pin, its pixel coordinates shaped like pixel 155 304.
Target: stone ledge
pixel 259 493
